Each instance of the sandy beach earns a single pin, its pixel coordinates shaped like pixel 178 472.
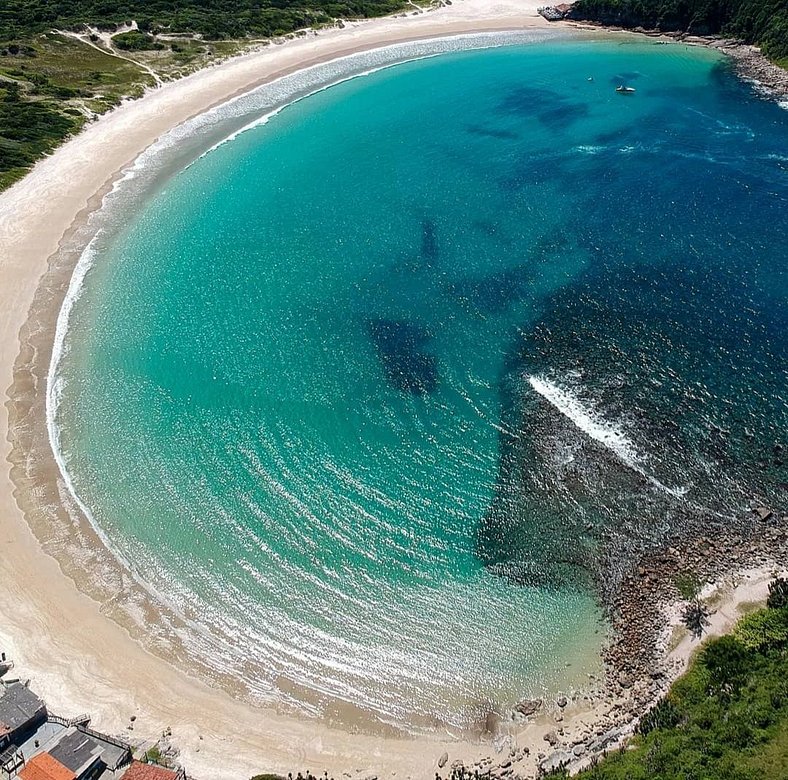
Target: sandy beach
pixel 78 644
pixel 78 658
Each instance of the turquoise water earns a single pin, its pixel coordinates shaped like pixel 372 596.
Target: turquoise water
pixel 365 392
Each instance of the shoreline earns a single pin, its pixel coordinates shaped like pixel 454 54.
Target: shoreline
pixel 73 648
pixel 76 642
pixel 749 62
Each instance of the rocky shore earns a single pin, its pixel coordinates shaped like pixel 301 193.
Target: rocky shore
pixel 748 61
pixel 648 649
pixel 644 655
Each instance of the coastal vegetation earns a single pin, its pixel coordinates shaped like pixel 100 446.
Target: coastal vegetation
pixel 50 85
pixel 215 20
pixel 63 63
pixel 726 718
pixel 761 22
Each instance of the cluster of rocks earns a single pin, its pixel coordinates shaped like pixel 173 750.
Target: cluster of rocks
pixel 748 60
pixel 637 671
pixel 168 752
pixel 751 65
pixel 553 13
pixel 635 657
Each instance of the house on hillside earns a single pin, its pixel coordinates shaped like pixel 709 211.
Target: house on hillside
pixel 78 753
pixel 140 771
pixel 44 767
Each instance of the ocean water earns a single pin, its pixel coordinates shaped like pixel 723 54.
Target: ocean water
pixel 379 393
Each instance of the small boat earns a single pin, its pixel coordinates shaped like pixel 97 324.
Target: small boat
pixel 622 90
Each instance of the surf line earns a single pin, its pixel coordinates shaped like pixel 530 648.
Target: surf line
pixel 593 426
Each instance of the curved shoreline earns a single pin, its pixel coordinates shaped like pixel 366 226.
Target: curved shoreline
pixel 172 622
pixel 79 659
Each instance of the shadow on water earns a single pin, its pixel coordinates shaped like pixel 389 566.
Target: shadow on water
pixel 627 77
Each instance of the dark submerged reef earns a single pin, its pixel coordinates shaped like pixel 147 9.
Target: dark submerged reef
pixel 400 347
pixel 696 387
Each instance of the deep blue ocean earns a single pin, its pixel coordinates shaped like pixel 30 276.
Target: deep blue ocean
pixel 375 391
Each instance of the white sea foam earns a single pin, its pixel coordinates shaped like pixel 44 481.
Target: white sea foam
pixel 589 422
pixel 266 118
pixel 611 435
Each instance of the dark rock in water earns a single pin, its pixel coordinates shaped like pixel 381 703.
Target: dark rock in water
pixel 429 243
pixel 492 723
pixel 400 347
pixel 528 706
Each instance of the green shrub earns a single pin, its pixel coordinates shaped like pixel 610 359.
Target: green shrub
pixel 725 719
pixel 778 590
pixel 136 41
pixel 763 629
pixel 663 715
pixel 688 585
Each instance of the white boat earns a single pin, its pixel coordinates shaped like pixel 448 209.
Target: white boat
pixel 622 90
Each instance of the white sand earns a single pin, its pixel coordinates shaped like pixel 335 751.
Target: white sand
pixel 728 600
pixel 78 659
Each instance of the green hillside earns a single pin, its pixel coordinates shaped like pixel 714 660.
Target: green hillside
pixel 56 74
pixel 763 22
pixel 726 718
pixel 213 19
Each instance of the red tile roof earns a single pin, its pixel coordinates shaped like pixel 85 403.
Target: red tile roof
pixel 140 771
pixel 44 767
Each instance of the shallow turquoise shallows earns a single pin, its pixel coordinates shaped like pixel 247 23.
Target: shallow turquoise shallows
pixel 292 375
